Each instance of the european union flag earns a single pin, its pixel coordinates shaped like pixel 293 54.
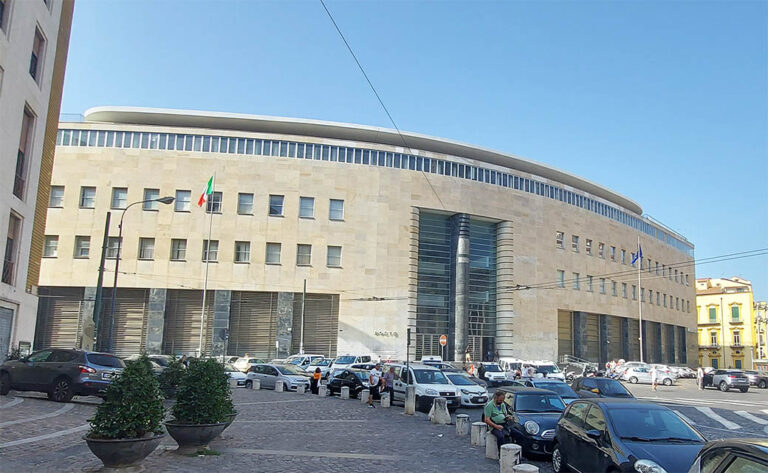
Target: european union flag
pixel 638 255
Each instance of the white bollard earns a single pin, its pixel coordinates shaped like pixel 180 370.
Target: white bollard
pixel 510 457
pixel 525 468
pixel 385 400
pixel 477 435
pixel 255 384
pixel 440 414
pixel 322 390
pixel 279 387
pixel 491 447
pixel 462 425
pixel 345 392
pixel 232 383
pixel 301 388
pixel 364 396
pixel 410 400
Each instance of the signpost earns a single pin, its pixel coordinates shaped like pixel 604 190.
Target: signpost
pixel 443 343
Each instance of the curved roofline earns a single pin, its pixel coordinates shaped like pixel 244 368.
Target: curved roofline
pixel 347 131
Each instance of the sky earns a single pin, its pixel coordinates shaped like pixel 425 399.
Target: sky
pixel 665 102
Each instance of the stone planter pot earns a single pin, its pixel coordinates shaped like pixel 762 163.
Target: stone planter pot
pixel 117 453
pixel 192 437
pixel 230 419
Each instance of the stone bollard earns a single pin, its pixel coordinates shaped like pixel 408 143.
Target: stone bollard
pixel 410 400
pixel 440 414
pixel 364 396
pixel 345 392
pixel 510 456
pixel 279 387
pixel 322 390
pixel 301 388
pixel 491 447
pixel 477 436
pixel 256 384
pixel 385 400
pixel 524 468
pixel 232 383
pixel 462 425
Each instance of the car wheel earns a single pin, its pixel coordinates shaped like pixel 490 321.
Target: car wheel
pixel 743 389
pixel 667 382
pixel 558 460
pixel 5 384
pixel 285 387
pixel 724 386
pixel 762 384
pixel 249 384
pixel 61 390
pixel 633 380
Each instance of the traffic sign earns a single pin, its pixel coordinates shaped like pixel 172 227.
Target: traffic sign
pixel 443 340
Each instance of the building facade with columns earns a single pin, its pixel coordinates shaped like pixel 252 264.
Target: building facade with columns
pixel 390 230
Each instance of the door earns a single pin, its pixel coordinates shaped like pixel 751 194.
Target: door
pixel 6 319
pixel 271 376
pixel 588 388
pixel 399 383
pixel 571 428
pixel 593 452
pixel 714 363
pixel 31 371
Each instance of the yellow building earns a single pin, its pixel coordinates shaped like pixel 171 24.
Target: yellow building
pixel 725 322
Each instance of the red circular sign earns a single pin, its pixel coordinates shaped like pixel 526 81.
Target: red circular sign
pixel 443 340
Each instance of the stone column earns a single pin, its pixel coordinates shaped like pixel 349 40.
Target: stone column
pixel 221 302
pixel 510 456
pixel 322 390
pixel 462 425
pixel 410 400
pixel 153 344
pixel 86 333
pixel 284 323
pixel 461 300
pixel 439 413
pixel 344 392
pixel 491 447
pixel 364 394
pixel 279 387
pixel 477 435
pixel 505 310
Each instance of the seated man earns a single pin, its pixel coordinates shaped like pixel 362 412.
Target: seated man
pixel 495 416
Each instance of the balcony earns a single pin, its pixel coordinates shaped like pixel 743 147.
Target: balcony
pixel 737 345
pixel 710 347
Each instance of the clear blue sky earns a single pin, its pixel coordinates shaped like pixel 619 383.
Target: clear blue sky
pixel 664 102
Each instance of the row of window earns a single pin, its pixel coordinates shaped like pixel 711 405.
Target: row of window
pixel 735 313
pixel 713 338
pixel 621 256
pixel 210 250
pixel 183 202
pixel 370 157
pixel 661 298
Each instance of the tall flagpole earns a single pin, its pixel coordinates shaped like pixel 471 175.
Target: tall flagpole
pixel 207 255
pixel 639 258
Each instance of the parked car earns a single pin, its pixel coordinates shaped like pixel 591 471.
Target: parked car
pixel 429 383
pixel 732 456
pixel 235 373
pixel 272 374
pixel 302 361
pixel 683 371
pixel 643 375
pixel 566 393
pixel 757 379
pixel 355 379
pixel 244 364
pixel 472 394
pixel 600 435
pixel 599 387
pixel 323 363
pixel 61 373
pixel 161 360
pixel 724 380
pixel 548 370
pixel 494 374
pixel 363 366
pixel 345 361
pixel 630 364
pixel 535 416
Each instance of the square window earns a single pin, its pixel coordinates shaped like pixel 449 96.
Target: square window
pixel 213 204
pixel 211 250
pixel 276 205
pixel 150 196
pixel 242 252
pixel 303 255
pixel 575 243
pixel 119 197
pixel 245 204
pixel 306 207
pixel 114 248
pixel 87 197
pixel 182 202
pixel 273 253
pixel 146 248
pixel 178 249
pixel 559 239
pixel 82 246
pixel 336 209
pixel 51 246
pixel 334 256
pixel 56 199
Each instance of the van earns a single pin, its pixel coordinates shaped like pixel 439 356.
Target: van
pixel 345 361
pixel 429 383
pixel 302 361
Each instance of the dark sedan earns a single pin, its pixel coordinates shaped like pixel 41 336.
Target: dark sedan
pixel 732 456
pixel 535 414
pixel 600 387
pixel 623 435
pixel 757 378
pixel 355 379
pixel 563 390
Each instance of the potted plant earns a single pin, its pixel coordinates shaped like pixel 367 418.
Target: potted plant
pixel 127 425
pixel 171 377
pixel 203 406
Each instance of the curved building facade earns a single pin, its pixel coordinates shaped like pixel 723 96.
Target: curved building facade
pixel 390 231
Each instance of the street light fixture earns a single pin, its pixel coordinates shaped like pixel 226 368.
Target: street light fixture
pixel 163 200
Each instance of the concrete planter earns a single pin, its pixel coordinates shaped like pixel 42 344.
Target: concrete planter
pixel 117 453
pixel 192 437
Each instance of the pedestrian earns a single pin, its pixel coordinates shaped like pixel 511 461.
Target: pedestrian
pixel 471 370
pixel 489 356
pixel 183 360
pixel 373 383
pixel 314 382
pixel 496 356
pixel 389 382
pixel 700 378
pixel 467 356
pixel 654 377
pixel 495 416
pixel 481 371
pixel 247 355
pixel 518 374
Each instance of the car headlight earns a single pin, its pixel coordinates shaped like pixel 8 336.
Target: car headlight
pixel 465 391
pixel 430 392
pixel 648 466
pixel 531 427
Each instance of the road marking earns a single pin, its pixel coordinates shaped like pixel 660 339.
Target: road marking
pixel 682 416
pixel 283 421
pixel 272 402
pixel 44 437
pixel 764 410
pixel 749 416
pixel 304 453
pixel 58 412
pixel 17 400
pixel 707 411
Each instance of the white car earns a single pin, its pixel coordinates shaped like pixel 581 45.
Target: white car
pixel 244 364
pixel 643 375
pixel 345 361
pixel 472 394
pixel 493 373
pixel 428 382
pixel 549 370
pixel 302 361
pixel 235 373
pixel 323 363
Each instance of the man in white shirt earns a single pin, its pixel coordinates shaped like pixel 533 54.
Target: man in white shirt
pixel 373 381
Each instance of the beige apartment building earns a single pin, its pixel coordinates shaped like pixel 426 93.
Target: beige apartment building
pixel 392 232
pixel 34 39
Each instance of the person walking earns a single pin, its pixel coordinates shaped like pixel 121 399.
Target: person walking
pixel 468 356
pixel 700 378
pixel 654 378
pixel 481 371
pixel 389 386
pixel 314 382
pixel 373 383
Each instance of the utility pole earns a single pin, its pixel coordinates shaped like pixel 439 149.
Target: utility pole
pixel 100 285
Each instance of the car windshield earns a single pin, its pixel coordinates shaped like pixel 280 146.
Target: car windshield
pixel 651 423
pixel 289 369
pixel 547 369
pixel 538 403
pixel 160 361
pixel 611 387
pixel 344 360
pixel 229 367
pixel 295 361
pixel 460 380
pixel 102 359
pixel 363 375
pixel 429 377
pixel 320 362
pixel 562 389
pixel 493 368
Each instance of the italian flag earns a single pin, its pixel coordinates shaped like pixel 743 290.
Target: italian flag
pixel 206 192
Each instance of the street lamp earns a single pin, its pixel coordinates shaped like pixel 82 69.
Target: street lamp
pixel 163 200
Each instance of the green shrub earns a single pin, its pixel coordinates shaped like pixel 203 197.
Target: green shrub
pixel 171 377
pixel 203 395
pixel 133 406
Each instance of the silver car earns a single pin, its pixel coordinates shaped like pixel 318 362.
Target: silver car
pixel 643 375
pixel 270 375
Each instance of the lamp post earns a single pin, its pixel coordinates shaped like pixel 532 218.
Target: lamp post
pixel 163 200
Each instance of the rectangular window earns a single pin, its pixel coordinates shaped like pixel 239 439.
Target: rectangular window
pixel 306 207
pixel 589 247
pixel 182 201
pixel 178 249
pixel 575 243
pixel 589 283
pixel 559 239
pixel 51 246
pixel 56 199
pixel 334 257
pixel 211 250
pixel 119 197
pixel 613 253
pixel 642 294
pixel 87 197
pixel 11 249
pixel 576 284
pixel 242 252
pixel 658 298
pixel 602 285
pixel 657 268
pixel 650 296
pixel 675 275
pixel 36 58
pixel 82 246
pixel 213 204
pixel 634 292
pixel 273 253
pixel 303 255
pixel 276 205
pixel 560 278
pixel 150 198
pixel 736 338
pixel 624 290
pixel 601 250
pixel 146 248
pixel 677 303
pixel 623 256
pixel 23 154
pixel 336 210
pixel 614 288
pixel 713 339
pixel 712 314
pixel 665 300
pixel 245 204
pixel 112 248
pixel 734 313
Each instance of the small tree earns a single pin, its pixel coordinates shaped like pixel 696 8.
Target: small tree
pixel 203 395
pixel 171 377
pixel 133 407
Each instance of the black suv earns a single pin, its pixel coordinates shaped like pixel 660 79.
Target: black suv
pixel 61 373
